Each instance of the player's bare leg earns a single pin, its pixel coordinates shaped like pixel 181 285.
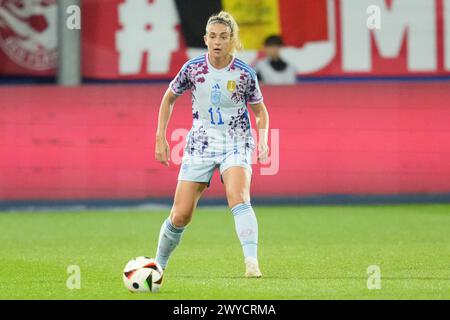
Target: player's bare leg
pixel 187 195
pixel 237 186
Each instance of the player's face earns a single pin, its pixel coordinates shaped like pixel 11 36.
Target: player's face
pixel 218 40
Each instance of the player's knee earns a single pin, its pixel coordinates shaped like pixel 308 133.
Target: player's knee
pixel 180 217
pixel 236 198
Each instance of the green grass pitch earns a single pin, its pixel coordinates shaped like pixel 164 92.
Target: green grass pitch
pixel 317 252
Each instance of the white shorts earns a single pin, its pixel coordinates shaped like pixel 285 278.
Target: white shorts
pixel 200 169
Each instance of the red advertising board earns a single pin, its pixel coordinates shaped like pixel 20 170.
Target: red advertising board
pixel 97 142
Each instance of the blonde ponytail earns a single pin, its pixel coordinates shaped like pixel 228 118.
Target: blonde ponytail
pixel 228 20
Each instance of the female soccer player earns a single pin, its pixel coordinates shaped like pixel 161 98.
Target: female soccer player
pixel 221 86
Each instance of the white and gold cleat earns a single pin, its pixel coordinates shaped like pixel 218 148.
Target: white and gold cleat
pixel 252 268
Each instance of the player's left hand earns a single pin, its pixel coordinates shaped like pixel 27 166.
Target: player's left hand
pixel 263 152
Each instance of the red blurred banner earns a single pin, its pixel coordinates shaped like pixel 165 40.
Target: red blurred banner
pixel 125 39
pixel 97 142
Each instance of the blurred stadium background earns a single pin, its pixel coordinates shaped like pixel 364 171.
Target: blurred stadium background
pixel 367 123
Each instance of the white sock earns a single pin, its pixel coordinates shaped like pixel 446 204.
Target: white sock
pixel 169 238
pixel 246 228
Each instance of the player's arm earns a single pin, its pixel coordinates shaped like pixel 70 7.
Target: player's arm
pixel 162 149
pixel 262 124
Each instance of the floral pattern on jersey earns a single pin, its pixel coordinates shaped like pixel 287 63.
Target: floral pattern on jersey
pixel 247 89
pixel 198 141
pixel 239 124
pixel 189 76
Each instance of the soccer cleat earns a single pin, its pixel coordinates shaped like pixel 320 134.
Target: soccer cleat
pixel 252 268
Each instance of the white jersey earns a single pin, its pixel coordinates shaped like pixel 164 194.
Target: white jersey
pixel 219 105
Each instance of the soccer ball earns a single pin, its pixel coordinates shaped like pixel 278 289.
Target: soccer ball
pixel 143 274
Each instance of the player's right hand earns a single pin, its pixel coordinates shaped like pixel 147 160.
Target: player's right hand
pixel 162 151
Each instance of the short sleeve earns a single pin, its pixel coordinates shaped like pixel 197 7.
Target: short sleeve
pixel 181 82
pixel 254 94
